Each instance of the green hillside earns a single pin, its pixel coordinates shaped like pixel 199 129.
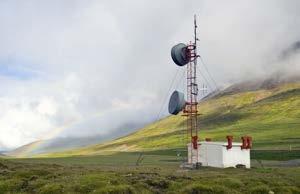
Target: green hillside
pixel 270 116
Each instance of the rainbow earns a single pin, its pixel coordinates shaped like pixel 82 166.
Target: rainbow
pixel 54 133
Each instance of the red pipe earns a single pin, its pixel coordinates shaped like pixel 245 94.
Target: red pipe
pixel 244 141
pixel 249 142
pixel 195 142
pixel 229 142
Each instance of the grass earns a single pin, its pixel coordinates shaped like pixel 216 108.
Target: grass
pixel 158 172
pixel 271 117
pixel 275 155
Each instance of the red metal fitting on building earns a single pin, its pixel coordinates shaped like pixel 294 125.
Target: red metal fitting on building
pixel 195 142
pixel 244 142
pixel 207 139
pixel 229 141
pixel 249 142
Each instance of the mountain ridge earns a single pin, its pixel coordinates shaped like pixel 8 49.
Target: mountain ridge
pixel 270 115
pixel 220 108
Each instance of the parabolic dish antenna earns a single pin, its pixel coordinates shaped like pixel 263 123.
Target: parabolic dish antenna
pixel 176 103
pixel 179 54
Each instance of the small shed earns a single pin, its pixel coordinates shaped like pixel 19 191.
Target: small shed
pixel 218 154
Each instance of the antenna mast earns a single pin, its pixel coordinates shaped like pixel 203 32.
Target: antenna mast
pixel 191 109
pixel 187 55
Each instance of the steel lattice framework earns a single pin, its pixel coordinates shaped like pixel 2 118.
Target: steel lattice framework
pixel 191 109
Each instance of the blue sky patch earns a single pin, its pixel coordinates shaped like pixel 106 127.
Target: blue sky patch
pixel 14 70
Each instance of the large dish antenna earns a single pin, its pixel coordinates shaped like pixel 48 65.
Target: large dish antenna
pixel 179 54
pixel 176 102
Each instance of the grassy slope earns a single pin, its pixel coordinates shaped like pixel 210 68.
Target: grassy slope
pixel 23 150
pixel 271 117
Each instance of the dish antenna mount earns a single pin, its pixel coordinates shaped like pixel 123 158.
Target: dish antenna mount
pixel 176 102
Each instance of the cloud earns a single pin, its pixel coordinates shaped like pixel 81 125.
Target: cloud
pixel 294 49
pixel 104 65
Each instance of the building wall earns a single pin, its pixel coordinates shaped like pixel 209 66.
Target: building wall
pixel 235 156
pixel 215 154
pixel 211 155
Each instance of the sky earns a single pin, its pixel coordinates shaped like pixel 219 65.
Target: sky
pixel 84 68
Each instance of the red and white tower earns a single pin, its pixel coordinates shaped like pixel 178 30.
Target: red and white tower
pixel 186 55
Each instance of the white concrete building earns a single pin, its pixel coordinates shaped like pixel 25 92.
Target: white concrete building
pixel 216 154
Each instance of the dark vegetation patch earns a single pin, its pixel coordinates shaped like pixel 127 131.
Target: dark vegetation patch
pixel 281 96
pixel 3 166
pixel 275 154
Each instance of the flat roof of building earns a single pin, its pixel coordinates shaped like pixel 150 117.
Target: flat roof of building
pixel 219 143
